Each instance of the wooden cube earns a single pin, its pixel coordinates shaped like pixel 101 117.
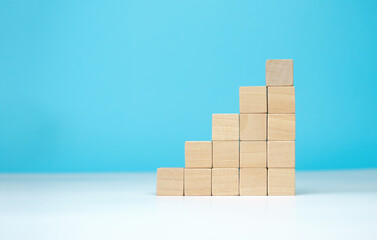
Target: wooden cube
pixel 253 181
pixel 281 127
pixel 225 127
pixel 281 181
pixel 170 182
pixel 198 182
pixel 225 181
pixel 253 126
pixel 226 154
pixel 279 72
pixel 253 100
pixel 198 154
pixel 253 154
pixel 281 154
pixel 281 100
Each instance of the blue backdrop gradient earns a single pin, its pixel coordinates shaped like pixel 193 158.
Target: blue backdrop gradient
pixel 120 85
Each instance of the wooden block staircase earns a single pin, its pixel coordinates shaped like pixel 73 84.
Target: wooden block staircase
pixel 251 153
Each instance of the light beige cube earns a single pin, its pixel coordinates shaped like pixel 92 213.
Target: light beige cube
pixel 281 100
pixel 225 182
pixel 198 154
pixel 281 181
pixel 225 126
pixel 279 72
pixel 281 127
pixel 226 154
pixel 281 154
pixel 198 182
pixel 253 181
pixel 170 181
pixel 253 154
pixel 253 127
pixel 253 100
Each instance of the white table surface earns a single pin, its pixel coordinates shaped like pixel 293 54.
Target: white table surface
pixel 328 205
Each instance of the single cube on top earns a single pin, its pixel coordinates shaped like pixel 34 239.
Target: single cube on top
pixel 279 72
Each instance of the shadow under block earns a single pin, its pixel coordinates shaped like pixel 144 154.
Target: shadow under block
pixel 225 181
pixel 253 181
pixel 281 154
pixel 226 154
pixel 170 182
pixel 281 100
pixel 279 72
pixel 253 126
pixel 253 154
pixel 253 100
pixel 281 127
pixel 198 154
pixel 281 181
pixel 198 182
pixel 225 127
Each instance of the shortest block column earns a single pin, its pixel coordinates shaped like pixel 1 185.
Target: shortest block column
pixel 281 181
pixel 198 182
pixel 225 181
pixel 253 181
pixel 170 182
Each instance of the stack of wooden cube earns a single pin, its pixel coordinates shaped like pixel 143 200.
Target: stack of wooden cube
pixel 251 153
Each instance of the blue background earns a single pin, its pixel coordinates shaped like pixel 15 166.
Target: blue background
pixel 120 85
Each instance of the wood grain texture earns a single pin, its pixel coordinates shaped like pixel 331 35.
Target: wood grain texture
pixel 281 154
pixel 281 181
pixel 279 72
pixel 225 182
pixel 225 127
pixel 198 154
pixel 253 100
pixel 198 182
pixel 253 181
pixel 281 127
pixel 253 154
pixel 170 181
pixel 226 154
pixel 253 126
pixel 281 100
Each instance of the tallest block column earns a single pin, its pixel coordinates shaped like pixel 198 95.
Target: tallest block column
pixel 281 127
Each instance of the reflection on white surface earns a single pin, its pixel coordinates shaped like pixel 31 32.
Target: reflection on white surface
pixel 328 205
